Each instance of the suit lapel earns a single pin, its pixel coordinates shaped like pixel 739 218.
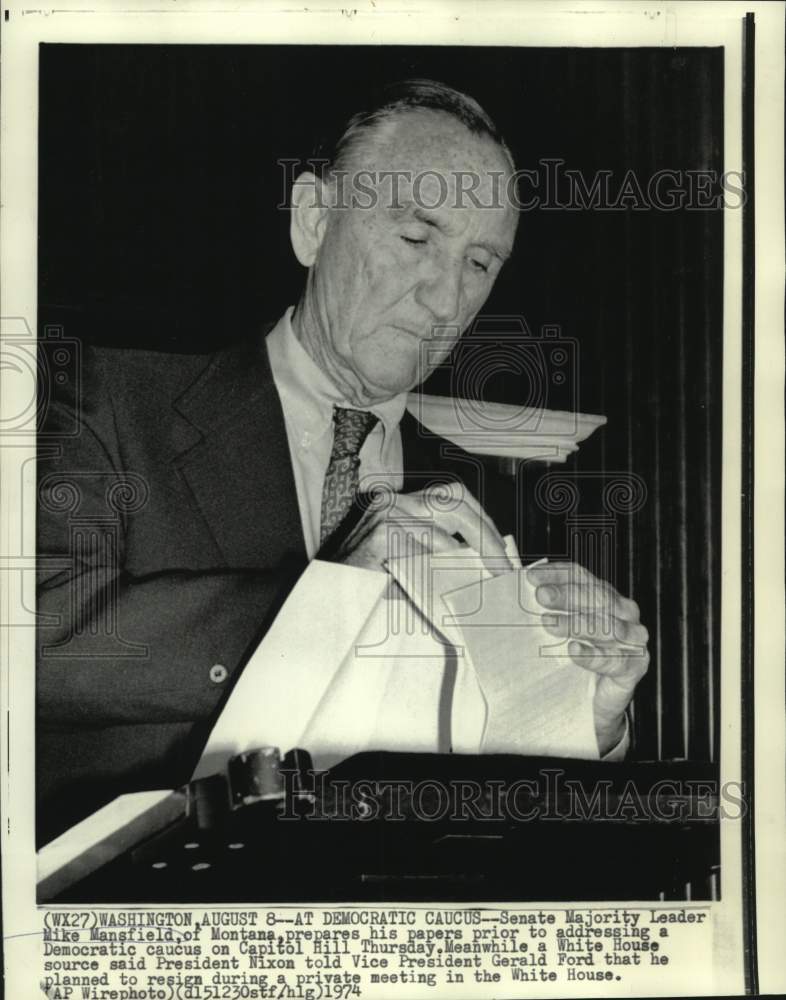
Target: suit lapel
pixel 236 459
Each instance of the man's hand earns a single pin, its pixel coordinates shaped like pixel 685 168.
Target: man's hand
pixel 431 517
pixel 605 636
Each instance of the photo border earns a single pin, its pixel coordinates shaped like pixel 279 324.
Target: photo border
pixel 745 737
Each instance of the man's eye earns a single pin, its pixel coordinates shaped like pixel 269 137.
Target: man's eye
pixel 478 265
pixel 413 241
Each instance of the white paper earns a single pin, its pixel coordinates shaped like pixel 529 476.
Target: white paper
pixel 386 694
pixel 538 701
pixel 291 669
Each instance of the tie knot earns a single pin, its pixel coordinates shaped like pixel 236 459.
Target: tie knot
pixel 352 427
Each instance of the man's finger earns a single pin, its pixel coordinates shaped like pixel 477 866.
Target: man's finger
pixel 558 573
pixel 599 660
pixel 460 514
pixel 416 535
pixel 565 573
pixel 625 667
pixel 602 629
pixel 590 598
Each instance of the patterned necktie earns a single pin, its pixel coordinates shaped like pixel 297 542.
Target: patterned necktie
pixel 351 428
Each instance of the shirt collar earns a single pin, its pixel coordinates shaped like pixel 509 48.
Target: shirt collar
pixel 309 392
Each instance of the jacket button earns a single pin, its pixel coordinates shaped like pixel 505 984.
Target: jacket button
pixel 218 673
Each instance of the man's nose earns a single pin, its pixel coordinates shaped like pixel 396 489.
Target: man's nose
pixel 440 293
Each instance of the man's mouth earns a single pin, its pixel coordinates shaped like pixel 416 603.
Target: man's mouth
pixel 412 333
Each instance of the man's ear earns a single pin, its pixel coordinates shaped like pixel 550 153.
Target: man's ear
pixel 309 217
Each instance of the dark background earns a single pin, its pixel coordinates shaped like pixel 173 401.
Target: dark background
pixel 159 228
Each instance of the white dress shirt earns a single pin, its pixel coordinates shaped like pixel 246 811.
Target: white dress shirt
pixel 307 399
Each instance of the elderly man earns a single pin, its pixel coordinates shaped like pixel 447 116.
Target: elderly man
pixel 173 526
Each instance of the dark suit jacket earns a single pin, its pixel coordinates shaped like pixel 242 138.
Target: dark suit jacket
pixel 168 536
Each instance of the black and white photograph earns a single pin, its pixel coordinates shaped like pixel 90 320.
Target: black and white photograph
pixel 389 473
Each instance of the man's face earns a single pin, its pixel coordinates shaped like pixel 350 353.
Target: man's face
pixel 416 265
